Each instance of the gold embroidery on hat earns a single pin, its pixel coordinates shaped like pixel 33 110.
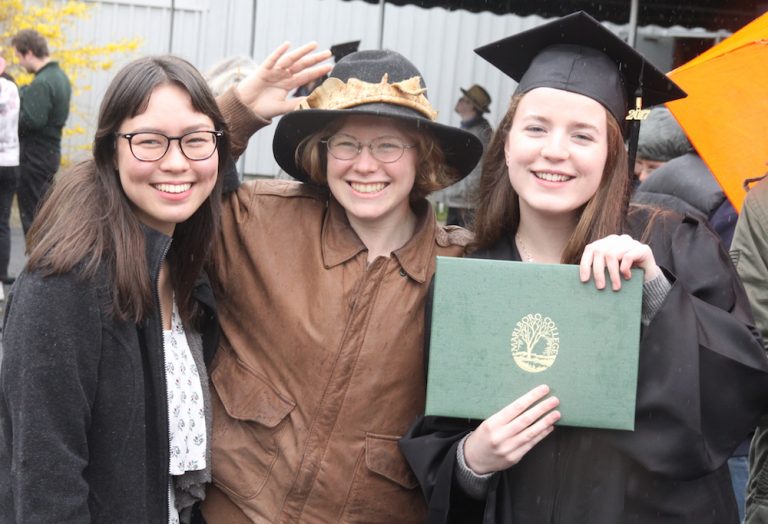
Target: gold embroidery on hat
pixel 334 94
pixel 638 113
pixel 535 343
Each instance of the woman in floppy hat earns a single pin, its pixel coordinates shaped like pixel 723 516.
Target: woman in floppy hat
pixel 555 189
pixel 322 288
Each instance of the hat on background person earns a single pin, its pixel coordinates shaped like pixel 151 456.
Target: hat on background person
pixel 339 51
pixel 661 137
pixel 479 97
pixel 229 72
pixel 378 83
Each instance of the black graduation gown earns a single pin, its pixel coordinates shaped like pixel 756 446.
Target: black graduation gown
pixel 702 382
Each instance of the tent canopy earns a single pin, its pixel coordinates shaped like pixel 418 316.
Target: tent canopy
pixel 709 14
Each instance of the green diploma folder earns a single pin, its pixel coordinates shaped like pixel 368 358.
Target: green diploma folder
pixel 500 328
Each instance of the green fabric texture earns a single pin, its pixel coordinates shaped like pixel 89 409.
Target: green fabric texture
pixel 45 105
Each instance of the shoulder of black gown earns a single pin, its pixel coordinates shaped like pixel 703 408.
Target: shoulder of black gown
pixel 703 375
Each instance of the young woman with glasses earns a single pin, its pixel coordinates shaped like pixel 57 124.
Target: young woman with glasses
pixel 104 407
pixel 322 293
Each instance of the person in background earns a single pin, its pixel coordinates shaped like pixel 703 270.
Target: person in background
pixel 460 198
pixel 555 190
pixel 44 111
pixel 104 406
pixel 661 139
pixel 229 72
pixel 749 252
pixel 9 164
pixel 678 179
pixel 673 176
pixel 322 288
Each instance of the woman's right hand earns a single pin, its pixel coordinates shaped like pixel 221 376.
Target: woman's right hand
pixel 506 436
pixel 266 90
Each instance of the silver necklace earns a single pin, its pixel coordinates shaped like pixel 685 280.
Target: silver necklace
pixel 526 256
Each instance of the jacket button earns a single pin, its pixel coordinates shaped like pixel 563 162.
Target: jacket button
pixel 402 272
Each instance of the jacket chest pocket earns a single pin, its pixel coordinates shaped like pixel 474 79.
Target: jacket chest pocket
pixel 247 415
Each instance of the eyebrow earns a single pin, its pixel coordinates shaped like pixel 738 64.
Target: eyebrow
pixel 545 120
pixel 195 127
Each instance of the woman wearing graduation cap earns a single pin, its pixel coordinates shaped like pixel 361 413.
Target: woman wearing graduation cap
pixel 555 189
pixel 321 288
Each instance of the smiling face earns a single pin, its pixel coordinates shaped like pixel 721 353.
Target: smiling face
pixel 168 191
pixel 556 151
pixel 372 191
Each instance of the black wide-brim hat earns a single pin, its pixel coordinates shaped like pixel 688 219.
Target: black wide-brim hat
pixel 373 83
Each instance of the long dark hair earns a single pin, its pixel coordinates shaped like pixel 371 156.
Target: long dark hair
pixel 88 222
pixel 498 207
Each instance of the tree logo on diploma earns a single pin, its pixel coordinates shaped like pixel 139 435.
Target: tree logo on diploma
pixel 535 343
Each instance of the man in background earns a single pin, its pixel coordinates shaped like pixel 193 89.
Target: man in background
pixel 44 111
pixel 460 197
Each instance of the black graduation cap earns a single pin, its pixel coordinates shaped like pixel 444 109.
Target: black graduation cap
pixel 576 53
pixel 339 51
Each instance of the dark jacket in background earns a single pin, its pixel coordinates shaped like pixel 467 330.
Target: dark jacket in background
pixel 83 404
pixel 44 111
pixel 45 106
pixel 686 185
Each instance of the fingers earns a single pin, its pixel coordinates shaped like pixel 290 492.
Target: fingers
pixel 306 61
pixel 513 410
pixel 616 254
pixel 275 55
pixel 300 58
pixel 505 437
pixel 307 75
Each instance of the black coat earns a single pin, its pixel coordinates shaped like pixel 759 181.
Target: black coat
pixel 702 382
pixel 83 404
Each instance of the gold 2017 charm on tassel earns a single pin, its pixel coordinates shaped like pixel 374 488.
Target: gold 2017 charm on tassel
pixel 638 113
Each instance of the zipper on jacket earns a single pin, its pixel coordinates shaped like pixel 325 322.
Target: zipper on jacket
pixel 164 380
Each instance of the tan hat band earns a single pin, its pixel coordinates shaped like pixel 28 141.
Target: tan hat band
pixel 335 94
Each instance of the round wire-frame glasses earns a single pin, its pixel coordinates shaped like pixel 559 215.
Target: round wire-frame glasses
pixel 148 146
pixel 385 149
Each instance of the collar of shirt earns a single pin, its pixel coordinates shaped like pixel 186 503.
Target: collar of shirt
pixel 340 243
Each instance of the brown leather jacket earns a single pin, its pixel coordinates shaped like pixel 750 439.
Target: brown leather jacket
pixel 320 370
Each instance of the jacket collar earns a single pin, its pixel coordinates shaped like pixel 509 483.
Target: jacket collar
pixel 340 243
pixel 156 246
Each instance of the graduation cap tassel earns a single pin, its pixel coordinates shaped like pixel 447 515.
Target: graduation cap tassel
pixel 634 135
pixel 635 117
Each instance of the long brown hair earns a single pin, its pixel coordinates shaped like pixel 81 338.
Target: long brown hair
pixel 498 208
pixel 87 222
pixel 432 171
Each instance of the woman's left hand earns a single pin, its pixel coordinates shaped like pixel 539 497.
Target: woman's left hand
pixel 618 254
pixel 266 90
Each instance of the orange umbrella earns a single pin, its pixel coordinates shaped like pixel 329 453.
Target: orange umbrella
pixel 726 110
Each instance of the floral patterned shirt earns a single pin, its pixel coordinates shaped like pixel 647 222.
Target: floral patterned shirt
pixel 186 418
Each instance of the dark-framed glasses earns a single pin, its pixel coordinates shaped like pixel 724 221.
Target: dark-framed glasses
pixel 150 146
pixel 385 149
